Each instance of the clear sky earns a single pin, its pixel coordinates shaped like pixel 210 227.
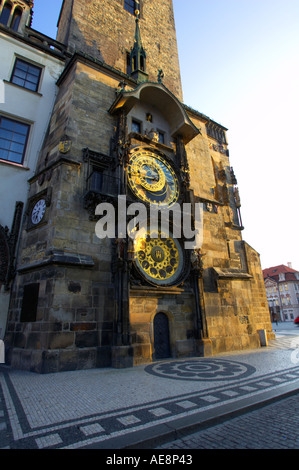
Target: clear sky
pixel 239 64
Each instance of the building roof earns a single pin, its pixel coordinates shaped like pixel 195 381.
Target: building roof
pixel 281 269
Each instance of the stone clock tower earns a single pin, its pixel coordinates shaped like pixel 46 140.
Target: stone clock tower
pixel 120 135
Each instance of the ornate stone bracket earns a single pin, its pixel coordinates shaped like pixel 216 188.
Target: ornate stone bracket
pixel 96 157
pixel 182 160
pixel 92 199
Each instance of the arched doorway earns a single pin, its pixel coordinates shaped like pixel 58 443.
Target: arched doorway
pixel 161 337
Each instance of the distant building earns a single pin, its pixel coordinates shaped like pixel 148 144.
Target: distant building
pixel 282 288
pixel 30 64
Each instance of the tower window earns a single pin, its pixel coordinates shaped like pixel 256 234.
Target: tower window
pixel 161 138
pixel 26 75
pixel 16 19
pixel 129 64
pixel 130 6
pixel 136 127
pixel 97 180
pixel 134 64
pixel 5 15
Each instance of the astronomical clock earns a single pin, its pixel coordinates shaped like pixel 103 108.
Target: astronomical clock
pixel 153 179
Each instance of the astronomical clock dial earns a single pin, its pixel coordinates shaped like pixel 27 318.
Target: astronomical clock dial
pixel 38 211
pixel 159 259
pixel 152 179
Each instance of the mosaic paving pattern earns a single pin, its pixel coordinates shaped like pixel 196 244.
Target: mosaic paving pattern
pixel 99 428
pixel 201 369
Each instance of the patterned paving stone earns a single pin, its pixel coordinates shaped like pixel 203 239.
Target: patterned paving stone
pixel 210 399
pixel 187 404
pixel 160 412
pixel 81 408
pixel 48 441
pixel 128 420
pixel 248 388
pixel 92 429
pixel 230 393
pixel 201 369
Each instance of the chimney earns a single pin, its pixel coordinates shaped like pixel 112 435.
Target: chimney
pixel 290 265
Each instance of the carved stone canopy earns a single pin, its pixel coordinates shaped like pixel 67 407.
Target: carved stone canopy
pixel 157 95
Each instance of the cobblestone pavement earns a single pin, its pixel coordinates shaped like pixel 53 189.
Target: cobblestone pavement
pixel 117 409
pixel 275 426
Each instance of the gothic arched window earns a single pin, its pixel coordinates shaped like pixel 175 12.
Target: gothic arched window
pixel 5 15
pixel 16 19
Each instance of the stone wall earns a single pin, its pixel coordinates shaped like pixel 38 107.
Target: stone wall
pixel 63 255
pixel 76 311
pixel 178 306
pixel 105 30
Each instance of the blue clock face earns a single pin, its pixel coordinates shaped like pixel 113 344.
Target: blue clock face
pixel 152 179
pixel 38 211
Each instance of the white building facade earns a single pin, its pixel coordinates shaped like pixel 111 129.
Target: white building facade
pixel 30 64
pixel 282 288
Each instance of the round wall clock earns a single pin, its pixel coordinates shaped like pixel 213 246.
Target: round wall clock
pixel 38 211
pixel 152 179
pixel 159 259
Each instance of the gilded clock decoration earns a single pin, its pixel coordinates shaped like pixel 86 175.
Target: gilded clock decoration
pixel 159 257
pixel 152 179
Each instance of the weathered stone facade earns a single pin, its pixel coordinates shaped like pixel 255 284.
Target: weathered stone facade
pixel 93 306
pixel 105 31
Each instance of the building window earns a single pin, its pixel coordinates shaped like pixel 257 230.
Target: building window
pixel 161 137
pixel 129 64
pixel 130 6
pixel 29 304
pixel 5 15
pixel 26 75
pixel 214 131
pixel 16 19
pixel 13 140
pixel 96 180
pixel 136 127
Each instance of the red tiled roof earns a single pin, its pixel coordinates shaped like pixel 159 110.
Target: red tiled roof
pixel 276 270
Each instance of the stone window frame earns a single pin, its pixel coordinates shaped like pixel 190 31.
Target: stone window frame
pixel 216 132
pixel 99 163
pixel 13 15
pixel 136 125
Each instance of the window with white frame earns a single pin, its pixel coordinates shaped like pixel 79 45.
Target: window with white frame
pixel 26 75
pixel 13 140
